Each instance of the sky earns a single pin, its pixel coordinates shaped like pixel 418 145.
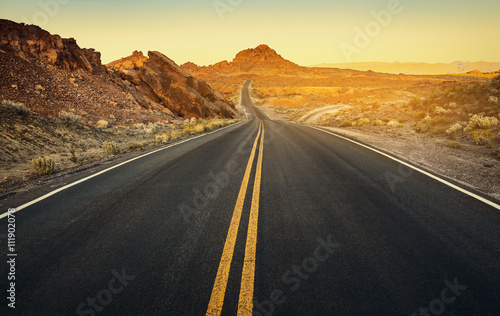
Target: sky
pixel 305 32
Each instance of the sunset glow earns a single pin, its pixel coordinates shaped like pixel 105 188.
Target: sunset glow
pixel 307 32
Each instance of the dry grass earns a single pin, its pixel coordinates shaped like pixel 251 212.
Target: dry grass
pixel 111 148
pixel 70 118
pixel 19 108
pixel 200 128
pixel 174 135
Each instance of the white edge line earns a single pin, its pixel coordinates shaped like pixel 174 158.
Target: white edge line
pixel 480 198
pixel 17 209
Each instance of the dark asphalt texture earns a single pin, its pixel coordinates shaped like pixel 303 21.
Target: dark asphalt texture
pixel 342 231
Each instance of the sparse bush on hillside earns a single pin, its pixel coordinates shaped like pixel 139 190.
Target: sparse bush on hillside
pixel 19 108
pixel 457 103
pixel 157 128
pixel 455 128
pixel 483 137
pixel 189 130
pixel 163 138
pixel 393 123
pixel 346 123
pixel 363 121
pixel 133 145
pixel 111 148
pixel 200 128
pixel 74 157
pixel 480 122
pixel 43 165
pixel 422 127
pixel 439 111
pixel 175 135
pixel 213 125
pixel 70 118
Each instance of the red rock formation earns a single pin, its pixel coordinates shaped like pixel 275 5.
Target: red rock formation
pixel 259 60
pixel 156 84
pixel 137 59
pixel 165 82
pixel 30 41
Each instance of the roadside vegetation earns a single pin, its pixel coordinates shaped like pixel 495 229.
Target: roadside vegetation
pixel 463 114
pixel 35 145
pixel 43 165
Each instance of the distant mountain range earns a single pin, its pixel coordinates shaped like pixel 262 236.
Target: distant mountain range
pixel 457 67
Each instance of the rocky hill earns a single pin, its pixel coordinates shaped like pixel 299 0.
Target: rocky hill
pixel 31 42
pixel 261 60
pixel 164 82
pixel 52 75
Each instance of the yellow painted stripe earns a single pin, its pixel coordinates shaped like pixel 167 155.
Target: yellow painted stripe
pixel 245 305
pixel 219 289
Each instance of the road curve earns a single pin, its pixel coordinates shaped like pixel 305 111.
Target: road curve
pixel 263 216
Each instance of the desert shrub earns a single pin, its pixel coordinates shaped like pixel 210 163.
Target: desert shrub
pixel 165 137
pixel 19 108
pixel 483 137
pixel 481 122
pixel 200 128
pixel 111 148
pixel 70 118
pixel 438 130
pixel 455 128
pixel 439 110
pixel 378 123
pixel 74 157
pixel 155 141
pixel 422 127
pixel 346 123
pixel 455 145
pixel 393 123
pixel 215 124
pixel 363 121
pixel 157 128
pixel 133 145
pixel 189 130
pixel 43 165
pixel 175 135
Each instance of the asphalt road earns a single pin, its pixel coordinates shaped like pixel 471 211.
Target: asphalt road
pixel 263 216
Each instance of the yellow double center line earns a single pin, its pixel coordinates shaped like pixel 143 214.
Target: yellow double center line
pixel 245 304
